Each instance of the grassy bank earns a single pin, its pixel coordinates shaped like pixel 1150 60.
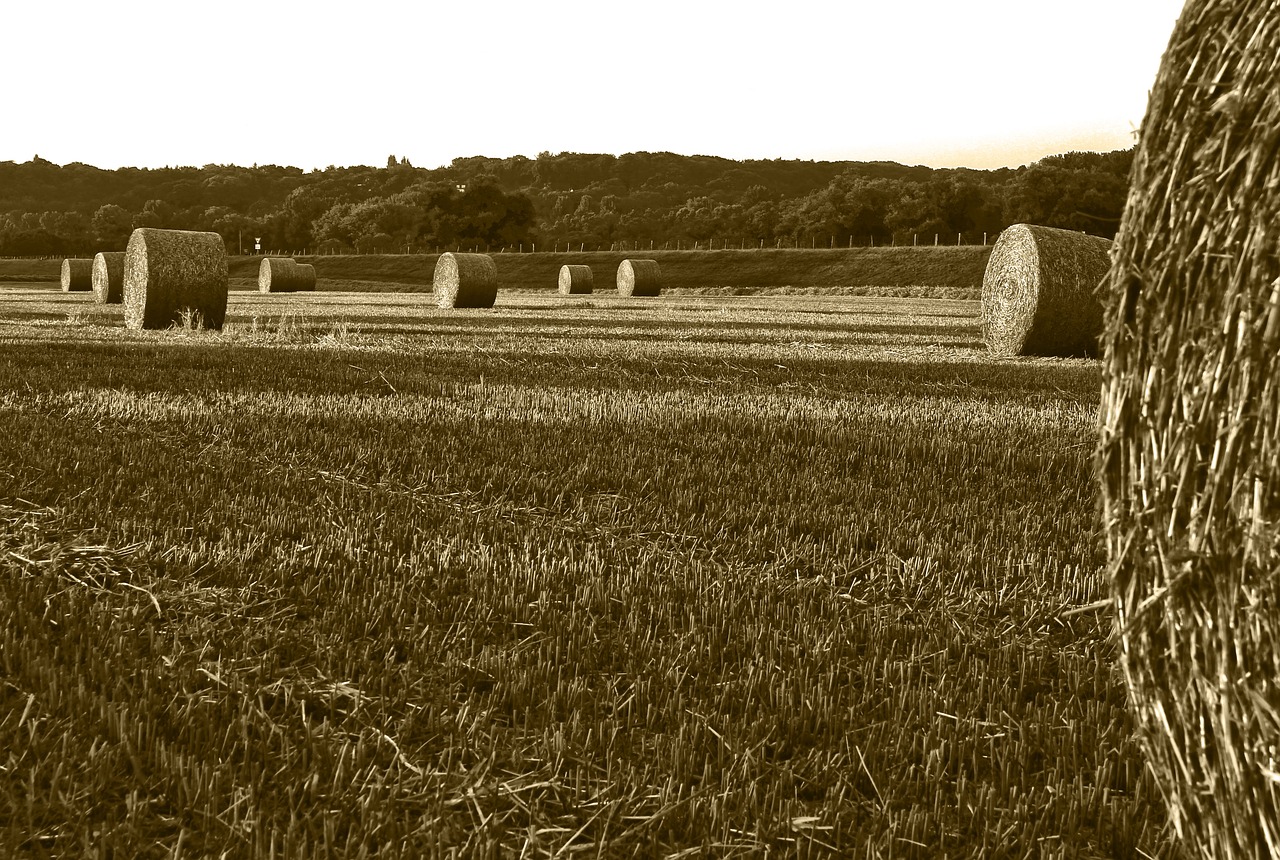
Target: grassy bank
pixel 942 272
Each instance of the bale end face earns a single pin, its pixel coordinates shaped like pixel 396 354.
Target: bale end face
pixel 576 280
pixel 172 274
pixel 77 276
pixel 465 281
pixel 639 278
pixel 1040 292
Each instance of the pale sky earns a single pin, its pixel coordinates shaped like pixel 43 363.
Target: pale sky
pixel 984 83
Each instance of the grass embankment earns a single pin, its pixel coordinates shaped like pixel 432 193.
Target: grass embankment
pixel 943 272
pixel 797 576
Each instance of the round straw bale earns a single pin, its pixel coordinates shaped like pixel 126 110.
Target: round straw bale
pixel 285 275
pixel 108 277
pixel 77 276
pixel 639 278
pixel 171 272
pixel 1189 456
pixel 1040 292
pixel 575 280
pixel 465 281
pixel 306 274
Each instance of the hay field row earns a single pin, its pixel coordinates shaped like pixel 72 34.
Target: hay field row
pixel 800 575
pixel 938 272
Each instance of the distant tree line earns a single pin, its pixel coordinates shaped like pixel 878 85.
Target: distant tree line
pixel 596 200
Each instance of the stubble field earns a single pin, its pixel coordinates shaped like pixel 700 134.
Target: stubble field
pixel 693 576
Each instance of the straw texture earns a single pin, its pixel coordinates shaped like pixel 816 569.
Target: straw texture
pixel 285 275
pixel 108 277
pixel 1040 292
pixel 171 272
pixel 639 278
pixel 576 280
pixel 1189 456
pixel 306 275
pixel 77 276
pixel 465 281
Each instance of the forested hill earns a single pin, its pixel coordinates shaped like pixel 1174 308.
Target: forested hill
pixel 595 200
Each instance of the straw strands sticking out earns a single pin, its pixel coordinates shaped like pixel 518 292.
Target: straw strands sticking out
pixel 1189 457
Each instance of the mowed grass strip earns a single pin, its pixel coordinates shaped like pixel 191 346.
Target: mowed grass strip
pixel 327 587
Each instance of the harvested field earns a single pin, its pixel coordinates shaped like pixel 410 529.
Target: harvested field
pixel 633 575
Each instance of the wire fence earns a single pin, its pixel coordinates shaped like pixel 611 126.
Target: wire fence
pixel 565 246
pixel 915 240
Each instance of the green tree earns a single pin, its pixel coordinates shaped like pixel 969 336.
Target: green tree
pixel 112 225
pixel 1073 194
pixel 71 228
pixel 159 213
pixel 32 243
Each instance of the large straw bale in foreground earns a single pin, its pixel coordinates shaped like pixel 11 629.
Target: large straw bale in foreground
pixel 576 280
pixel 639 278
pixel 285 275
pixel 108 277
pixel 465 281
pixel 1040 292
pixel 1189 457
pixel 77 276
pixel 171 272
